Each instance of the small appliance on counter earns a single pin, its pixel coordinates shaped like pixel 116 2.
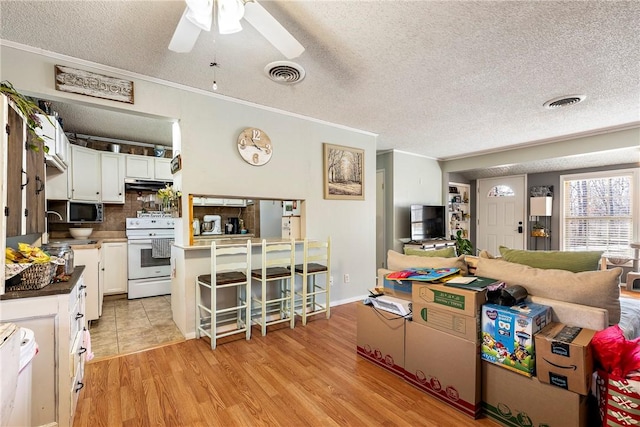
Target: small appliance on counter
pixel 211 224
pixel 196 226
pixel 233 226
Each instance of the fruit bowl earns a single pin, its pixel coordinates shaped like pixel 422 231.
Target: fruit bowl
pixel 80 233
pixel 618 260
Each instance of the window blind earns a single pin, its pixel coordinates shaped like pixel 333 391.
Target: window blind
pixel 598 212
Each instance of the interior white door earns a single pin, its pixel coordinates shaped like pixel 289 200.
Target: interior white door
pixel 501 213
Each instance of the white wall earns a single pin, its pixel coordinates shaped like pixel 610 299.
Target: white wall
pixel 209 126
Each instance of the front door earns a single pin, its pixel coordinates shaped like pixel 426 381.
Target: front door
pixel 501 215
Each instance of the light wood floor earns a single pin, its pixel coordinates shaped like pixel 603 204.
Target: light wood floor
pixel 308 376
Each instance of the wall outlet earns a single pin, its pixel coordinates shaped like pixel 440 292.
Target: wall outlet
pixel 330 280
pixel 346 278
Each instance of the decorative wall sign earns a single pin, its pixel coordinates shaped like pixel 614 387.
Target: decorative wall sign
pixel 176 164
pixel 343 172
pixel 87 83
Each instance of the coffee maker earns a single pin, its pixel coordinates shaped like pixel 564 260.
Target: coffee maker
pixel 233 226
pixel 211 225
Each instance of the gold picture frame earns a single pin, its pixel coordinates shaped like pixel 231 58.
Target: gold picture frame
pixel 343 172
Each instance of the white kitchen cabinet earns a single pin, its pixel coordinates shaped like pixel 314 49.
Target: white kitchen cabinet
pixel 212 201
pixel 58 323
pixel 114 267
pixel 85 174
pixel 235 202
pixel 56 140
pixel 112 182
pixel 58 184
pixel 162 168
pixel 90 258
pixel 141 167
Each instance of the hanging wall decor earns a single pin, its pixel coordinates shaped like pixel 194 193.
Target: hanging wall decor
pixel 91 84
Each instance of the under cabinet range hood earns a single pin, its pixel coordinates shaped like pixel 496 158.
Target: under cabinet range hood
pixel 145 184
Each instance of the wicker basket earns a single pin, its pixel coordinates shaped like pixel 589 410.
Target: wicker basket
pixel 37 276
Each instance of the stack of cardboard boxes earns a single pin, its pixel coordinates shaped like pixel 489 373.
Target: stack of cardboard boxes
pixel 439 351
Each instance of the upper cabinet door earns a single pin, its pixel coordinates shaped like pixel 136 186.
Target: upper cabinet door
pixel 139 166
pixel 112 177
pixel 35 191
pixel 85 174
pixel 163 169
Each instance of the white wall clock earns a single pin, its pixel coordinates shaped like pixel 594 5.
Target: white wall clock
pixel 255 146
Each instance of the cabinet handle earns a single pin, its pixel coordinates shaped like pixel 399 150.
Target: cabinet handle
pixel 82 350
pixel 26 183
pixel 79 316
pixel 80 386
pixel 39 185
pixel 82 287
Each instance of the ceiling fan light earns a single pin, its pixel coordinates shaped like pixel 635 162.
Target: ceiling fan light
pixel 230 12
pixel 200 13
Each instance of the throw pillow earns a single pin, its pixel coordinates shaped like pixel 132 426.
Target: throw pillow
pixel 443 253
pixel 599 288
pixel 397 261
pixel 561 260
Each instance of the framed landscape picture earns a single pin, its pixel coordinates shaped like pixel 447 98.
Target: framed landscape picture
pixel 343 172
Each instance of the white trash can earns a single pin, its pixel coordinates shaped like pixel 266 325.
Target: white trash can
pixel 21 414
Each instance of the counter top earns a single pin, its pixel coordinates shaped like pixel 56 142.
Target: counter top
pixel 234 241
pixel 51 289
pixel 90 243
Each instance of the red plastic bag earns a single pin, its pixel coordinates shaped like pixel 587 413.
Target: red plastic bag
pixel 615 354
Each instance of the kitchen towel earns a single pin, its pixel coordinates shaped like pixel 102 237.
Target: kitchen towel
pixel 161 248
pixel 88 355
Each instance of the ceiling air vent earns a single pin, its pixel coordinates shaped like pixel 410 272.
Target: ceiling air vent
pixel 563 101
pixel 285 72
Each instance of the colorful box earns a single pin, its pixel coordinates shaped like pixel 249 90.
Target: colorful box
pixel 444 366
pixel 508 335
pixel 380 338
pixel 564 357
pixel 460 301
pixel 516 400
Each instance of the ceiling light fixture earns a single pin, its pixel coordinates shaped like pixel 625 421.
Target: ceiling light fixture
pixel 563 101
pixel 230 12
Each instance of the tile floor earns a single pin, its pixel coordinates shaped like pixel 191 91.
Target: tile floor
pixel 131 325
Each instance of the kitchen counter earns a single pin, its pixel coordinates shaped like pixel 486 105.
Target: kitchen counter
pixel 51 289
pixel 90 243
pixel 225 240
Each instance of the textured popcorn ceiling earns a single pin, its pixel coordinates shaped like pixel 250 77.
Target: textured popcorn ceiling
pixel 441 79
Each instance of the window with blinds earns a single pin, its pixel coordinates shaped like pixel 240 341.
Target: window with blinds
pixel 598 211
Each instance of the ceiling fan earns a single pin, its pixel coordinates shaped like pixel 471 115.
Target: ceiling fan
pixel 198 16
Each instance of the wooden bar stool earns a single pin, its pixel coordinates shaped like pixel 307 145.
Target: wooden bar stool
pixel 277 268
pixel 224 314
pixel 316 262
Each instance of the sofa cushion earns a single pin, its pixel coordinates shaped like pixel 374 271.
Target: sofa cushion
pixel 449 252
pixel 599 288
pixel 397 262
pixel 560 260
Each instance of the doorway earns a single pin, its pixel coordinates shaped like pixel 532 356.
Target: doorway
pixel 380 220
pixel 501 213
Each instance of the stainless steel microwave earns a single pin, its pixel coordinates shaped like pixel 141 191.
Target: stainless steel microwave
pixel 75 212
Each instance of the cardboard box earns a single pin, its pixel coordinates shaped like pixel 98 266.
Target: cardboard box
pixel 460 301
pixel 564 357
pixel 445 366
pixel 516 400
pixel 380 338
pixel 508 335
pixel 465 327
pixel 397 288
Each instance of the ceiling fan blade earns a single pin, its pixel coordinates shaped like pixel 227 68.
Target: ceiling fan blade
pixel 185 36
pixel 272 30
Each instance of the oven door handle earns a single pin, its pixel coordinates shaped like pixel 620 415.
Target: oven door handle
pixel 139 242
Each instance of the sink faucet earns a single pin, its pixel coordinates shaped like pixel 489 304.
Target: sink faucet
pixel 53 212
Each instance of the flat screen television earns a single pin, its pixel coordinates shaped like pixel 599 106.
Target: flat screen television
pixel 428 222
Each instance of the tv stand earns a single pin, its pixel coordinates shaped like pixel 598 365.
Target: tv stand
pixel 431 244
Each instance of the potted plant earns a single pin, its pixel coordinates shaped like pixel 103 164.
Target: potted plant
pixel 538 230
pixel 29 110
pixel 463 245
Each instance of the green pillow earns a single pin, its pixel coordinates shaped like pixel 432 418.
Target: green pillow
pixel 449 252
pixel 559 260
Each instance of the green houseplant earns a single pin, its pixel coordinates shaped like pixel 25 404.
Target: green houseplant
pixel 29 110
pixel 463 246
